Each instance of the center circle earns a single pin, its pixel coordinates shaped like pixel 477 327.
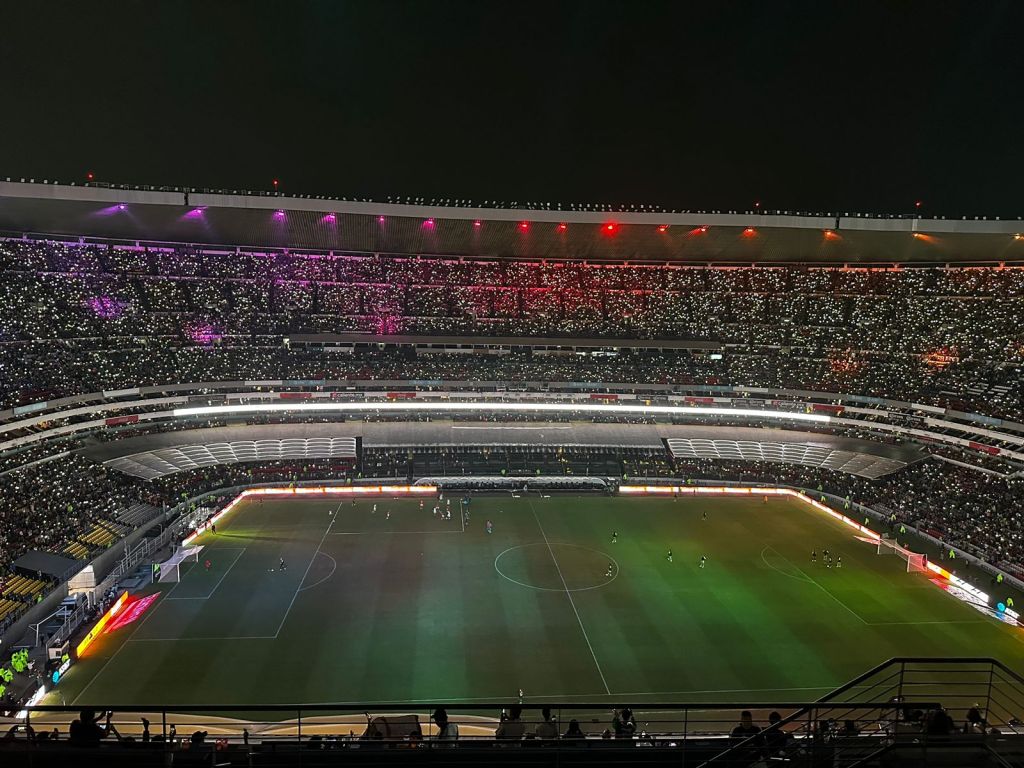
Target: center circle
pixel 556 567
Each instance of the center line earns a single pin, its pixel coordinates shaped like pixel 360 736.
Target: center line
pixel 571 601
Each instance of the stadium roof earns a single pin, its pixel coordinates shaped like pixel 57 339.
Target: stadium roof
pixel 270 221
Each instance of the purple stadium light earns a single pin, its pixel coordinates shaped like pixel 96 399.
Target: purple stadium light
pixel 279 213
pixel 329 218
pixel 429 223
pixel 380 219
pixel 195 213
pixel 121 206
pixel 106 307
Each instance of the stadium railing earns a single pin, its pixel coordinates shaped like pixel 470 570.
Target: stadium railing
pixel 899 706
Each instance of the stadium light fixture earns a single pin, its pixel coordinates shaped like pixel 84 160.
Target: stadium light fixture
pixel 663 228
pixel 329 218
pixel 1018 236
pixel 413 406
pixel 610 228
pixel 562 227
pixel 699 230
pixel 380 219
pixel 832 235
pixel 477 224
pixel 749 232
pixel 279 213
pixel 121 206
pixel 524 225
pixel 90 176
pixel 428 223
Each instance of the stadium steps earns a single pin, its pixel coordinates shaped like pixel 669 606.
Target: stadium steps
pixel 76 550
pixel 22 586
pixel 9 608
pixel 138 514
pixel 116 529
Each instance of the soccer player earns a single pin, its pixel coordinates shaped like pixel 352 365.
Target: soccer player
pixel 490 527
pixel 207 564
pixel 374 510
pixel 839 561
pixel 828 560
pixel 814 557
pixel 703 559
pixel 213 527
pixel 611 569
pixel 615 537
pixel 704 515
pixel 669 556
pixel 282 565
pixel 387 515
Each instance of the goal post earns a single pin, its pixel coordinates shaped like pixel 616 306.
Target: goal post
pixel 916 563
pixel 170 569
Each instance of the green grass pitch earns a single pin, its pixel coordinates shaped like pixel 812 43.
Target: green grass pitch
pixel 398 606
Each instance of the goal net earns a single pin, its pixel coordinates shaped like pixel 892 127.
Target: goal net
pixel 170 569
pixel 916 563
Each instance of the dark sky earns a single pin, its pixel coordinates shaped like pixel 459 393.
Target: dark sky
pixel 814 105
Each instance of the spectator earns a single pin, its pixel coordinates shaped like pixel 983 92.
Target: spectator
pixel 548 727
pixel 86 732
pixel 446 731
pixel 746 727
pixel 574 731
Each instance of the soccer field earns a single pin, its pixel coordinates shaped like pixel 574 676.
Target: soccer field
pixel 399 606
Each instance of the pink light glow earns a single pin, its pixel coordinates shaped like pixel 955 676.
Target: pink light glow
pixel 279 214
pixel 477 224
pixel 202 333
pixel 429 223
pixel 106 307
pixel 380 219
pixel 329 218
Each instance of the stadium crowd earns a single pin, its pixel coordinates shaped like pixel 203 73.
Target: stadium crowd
pixel 76 319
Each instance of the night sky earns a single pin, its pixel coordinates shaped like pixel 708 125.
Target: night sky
pixel 852 106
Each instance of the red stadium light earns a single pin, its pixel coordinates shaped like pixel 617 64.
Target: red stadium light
pixel 757 203
pixel 610 228
pixel 276 182
pixel 562 227
pixel 524 225
pixel 663 228
pixel 749 232
pixel 917 204
pixel 477 224
pixel 832 235
pixel 380 219
pixel 90 176
pixel 699 230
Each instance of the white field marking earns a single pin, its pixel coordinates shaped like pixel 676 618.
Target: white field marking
pixel 325 578
pixel 571 601
pixel 224 576
pixel 914 623
pixel 564 696
pixel 98 673
pixel 765 561
pixel 304 575
pixel 390 533
pixel 860 618
pixel 186 639
pixel 554 589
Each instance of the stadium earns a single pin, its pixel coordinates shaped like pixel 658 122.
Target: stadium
pixel 309 476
